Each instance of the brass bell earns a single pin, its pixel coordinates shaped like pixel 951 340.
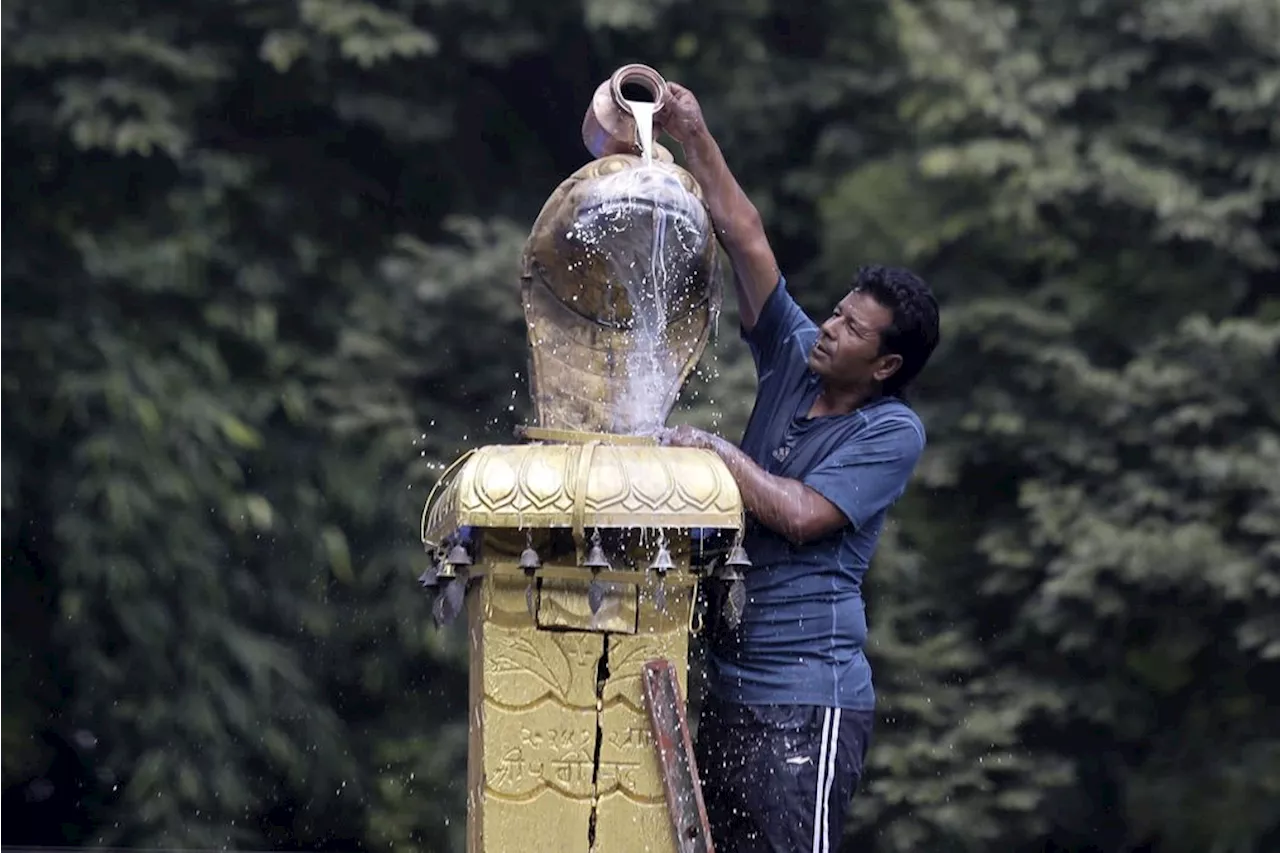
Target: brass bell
pixel 662 562
pixel 738 558
pixel 730 570
pixel 729 574
pixel 458 556
pixel 595 557
pixel 530 562
pixel 445 571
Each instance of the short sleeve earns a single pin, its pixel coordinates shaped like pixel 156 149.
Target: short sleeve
pixel 782 330
pixel 868 473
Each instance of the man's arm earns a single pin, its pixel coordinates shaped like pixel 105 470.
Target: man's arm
pixel 787 507
pixel 738 225
pixel 736 220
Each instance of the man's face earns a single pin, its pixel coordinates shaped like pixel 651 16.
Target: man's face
pixel 847 352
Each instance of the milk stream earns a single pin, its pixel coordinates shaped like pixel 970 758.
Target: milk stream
pixel 642 112
pixel 649 232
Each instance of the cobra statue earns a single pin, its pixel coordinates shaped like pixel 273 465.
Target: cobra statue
pixel 620 280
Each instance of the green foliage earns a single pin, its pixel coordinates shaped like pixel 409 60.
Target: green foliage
pixel 1122 569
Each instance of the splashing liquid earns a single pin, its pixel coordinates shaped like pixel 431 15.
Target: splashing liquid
pixel 650 372
pixel 647 232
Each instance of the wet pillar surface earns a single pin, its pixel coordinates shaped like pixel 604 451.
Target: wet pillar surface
pixel 562 755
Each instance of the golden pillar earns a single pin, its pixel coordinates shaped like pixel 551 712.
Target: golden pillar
pixel 574 555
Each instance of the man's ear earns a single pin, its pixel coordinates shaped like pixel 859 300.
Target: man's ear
pixel 887 366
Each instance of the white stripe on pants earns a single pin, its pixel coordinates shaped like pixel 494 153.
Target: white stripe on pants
pixel 826 777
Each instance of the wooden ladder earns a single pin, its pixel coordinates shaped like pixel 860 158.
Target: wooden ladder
pixel 675 756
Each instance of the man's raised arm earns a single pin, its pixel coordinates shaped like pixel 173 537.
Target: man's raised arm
pixel 736 220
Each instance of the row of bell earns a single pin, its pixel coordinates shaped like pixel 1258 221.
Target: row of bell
pixel 730 569
pixel 449 600
pixel 458 557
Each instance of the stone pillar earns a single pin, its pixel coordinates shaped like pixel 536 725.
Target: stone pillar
pixel 561 753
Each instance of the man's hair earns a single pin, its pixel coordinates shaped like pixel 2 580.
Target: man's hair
pixel 913 333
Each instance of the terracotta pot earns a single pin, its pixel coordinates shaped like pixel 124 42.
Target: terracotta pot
pixel 609 127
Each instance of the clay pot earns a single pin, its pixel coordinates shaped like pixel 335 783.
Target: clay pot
pixel 609 127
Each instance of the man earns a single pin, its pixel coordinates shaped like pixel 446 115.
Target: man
pixel 829 448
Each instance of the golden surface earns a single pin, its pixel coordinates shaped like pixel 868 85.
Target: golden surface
pixel 542 486
pixel 564 604
pixel 579 315
pixel 539 711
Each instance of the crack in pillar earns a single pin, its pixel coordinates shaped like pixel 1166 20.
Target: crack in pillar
pixel 602 676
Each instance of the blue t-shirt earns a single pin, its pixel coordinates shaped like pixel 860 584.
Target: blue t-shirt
pixel 800 641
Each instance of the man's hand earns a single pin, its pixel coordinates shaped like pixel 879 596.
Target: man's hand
pixel 786 506
pixel 681 114
pixel 686 436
